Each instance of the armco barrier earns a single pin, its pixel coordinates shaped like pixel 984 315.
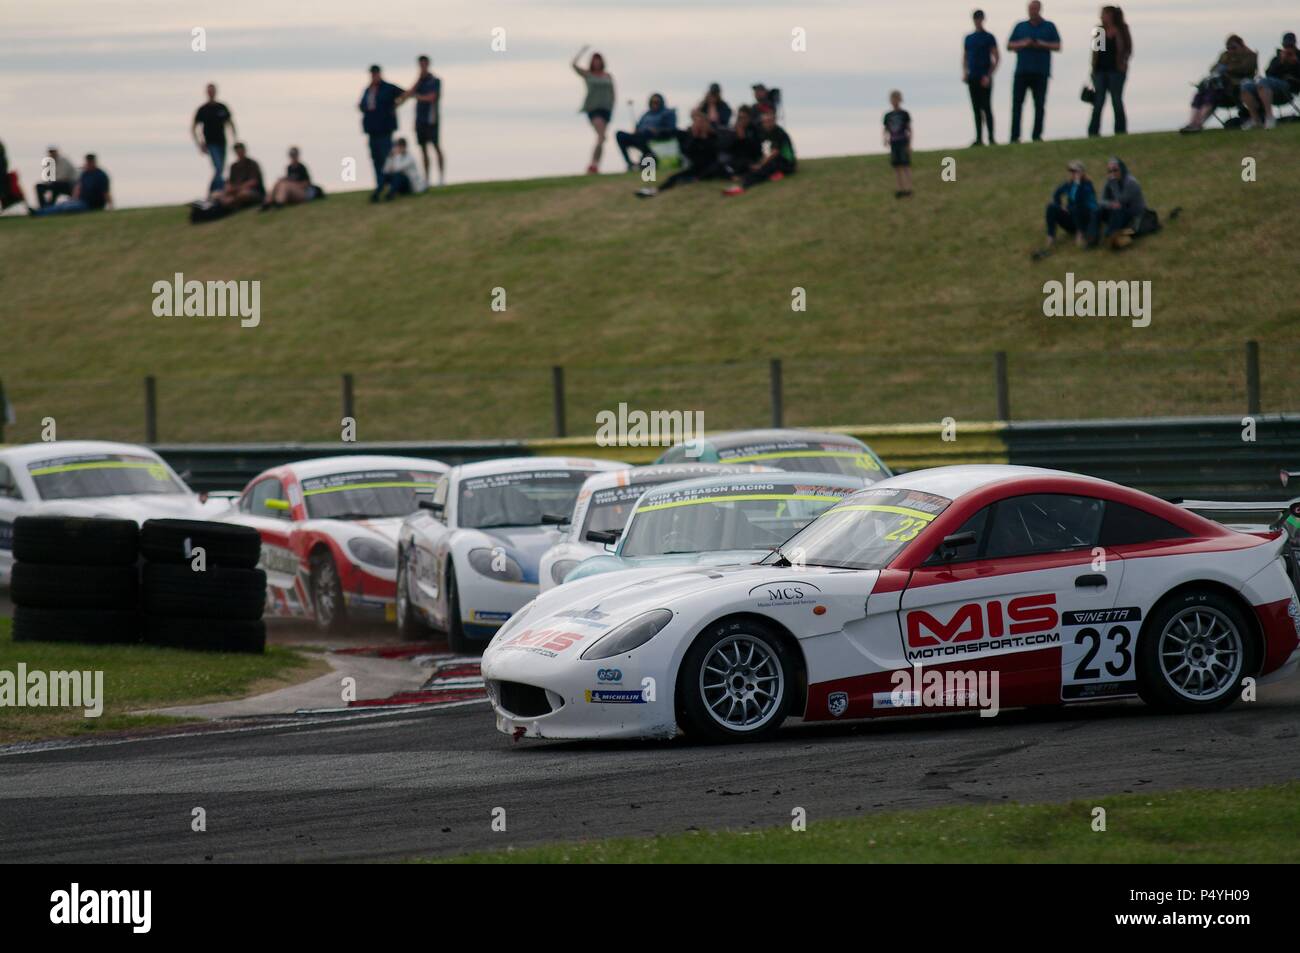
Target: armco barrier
pixel 1193 456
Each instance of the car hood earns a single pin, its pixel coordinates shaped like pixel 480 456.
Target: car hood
pixel 606 563
pixel 138 507
pixel 524 544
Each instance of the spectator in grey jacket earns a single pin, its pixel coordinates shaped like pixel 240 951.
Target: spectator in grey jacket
pixel 1122 204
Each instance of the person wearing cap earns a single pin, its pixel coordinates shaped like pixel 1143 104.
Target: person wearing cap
pixel 427 93
pixel 1280 82
pixel 1033 41
pixel 715 108
pixel 63 182
pixel 1073 209
pixel 762 97
pixel 91 193
pixel 213 117
pixel 979 61
pixel 379 102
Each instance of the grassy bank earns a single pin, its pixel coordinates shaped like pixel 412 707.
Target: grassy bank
pixel 675 303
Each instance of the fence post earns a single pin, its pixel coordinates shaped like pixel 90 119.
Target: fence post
pixel 150 409
pixel 557 388
pixel 1252 377
pixel 778 394
pixel 349 403
pixel 1004 387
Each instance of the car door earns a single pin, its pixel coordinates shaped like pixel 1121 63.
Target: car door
pixel 1021 597
pixel 427 556
pixel 11 507
pixel 266 508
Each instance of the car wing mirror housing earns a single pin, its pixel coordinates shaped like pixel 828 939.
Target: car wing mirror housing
pixel 952 543
pixel 437 509
pixel 606 536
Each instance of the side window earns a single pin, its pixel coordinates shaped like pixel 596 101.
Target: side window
pixel 268 489
pixel 1125 524
pixel 8 485
pixel 1043 523
pixel 977 524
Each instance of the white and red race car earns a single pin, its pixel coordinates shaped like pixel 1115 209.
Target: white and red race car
pixel 329 533
pixel 954 588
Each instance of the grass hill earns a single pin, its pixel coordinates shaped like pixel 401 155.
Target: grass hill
pixel 673 303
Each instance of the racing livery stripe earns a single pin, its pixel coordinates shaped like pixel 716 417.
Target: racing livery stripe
pixel 883 508
pixel 366 486
pixel 98 465
pixel 745 496
pixel 796 453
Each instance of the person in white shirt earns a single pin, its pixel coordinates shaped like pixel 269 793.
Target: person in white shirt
pixel 402 175
pixel 62 182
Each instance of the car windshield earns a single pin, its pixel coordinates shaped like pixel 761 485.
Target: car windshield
pixel 841 458
pixel 866 531
pixel 517 499
pixel 101 474
pixel 706 519
pixel 366 494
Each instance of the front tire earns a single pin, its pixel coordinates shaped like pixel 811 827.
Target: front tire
pixel 1195 650
pixel 457 640
pixel 735 683
pixel 327 595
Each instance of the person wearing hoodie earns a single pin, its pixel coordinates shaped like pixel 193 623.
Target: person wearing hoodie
pixel 658 122
pixel 1078 215
pixel 1122 204
pixel 1236 64
pixel 402 174
pixel 1280 82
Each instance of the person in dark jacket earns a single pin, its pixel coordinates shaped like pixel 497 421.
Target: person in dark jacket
pixel 739 147
pixel 91 193
pixel 1235 65
pixel 716 108
pixel 1123 206
pixel 658 122
pixel 1110 69
pixel 699 146
pixel 778 159
pixel 295 186
pixel 1078 215
pixel 379 104
pixel 1280 82
pixel 244 185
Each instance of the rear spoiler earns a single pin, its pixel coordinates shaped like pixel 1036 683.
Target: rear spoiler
pixel 1273 514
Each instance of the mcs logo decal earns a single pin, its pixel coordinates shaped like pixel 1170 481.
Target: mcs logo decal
pixel 977 620
pixel 785 592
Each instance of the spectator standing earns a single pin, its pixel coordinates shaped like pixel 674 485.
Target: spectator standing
pixel 598 104
pixel 657 122
pixel 379 104
pixel 1280 82
pixel 427 91
pixel 897 134
pixel 65 179
pixel 979 61
pixel 90 194
pixel 1110 69
pixel 1033 41
pixel 213 118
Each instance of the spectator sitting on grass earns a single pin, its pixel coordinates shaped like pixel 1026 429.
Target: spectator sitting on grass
pixel 90 194
pixel 1236 64
pixel 715 107
pixel 699 146
pixel 739 148
pixel 244 185
pixel 65 179
pixel 659 122
pixel 778 155
pixel 1078 216
pixel 401 174
pixel 1280 82
pixel 295 187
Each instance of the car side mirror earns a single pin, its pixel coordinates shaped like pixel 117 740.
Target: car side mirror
pixel 437 509
pixel 278 506
pixel 951 543
pixel 606 536
pixel 551 519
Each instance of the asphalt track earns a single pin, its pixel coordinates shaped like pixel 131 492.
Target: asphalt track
pixel 426 782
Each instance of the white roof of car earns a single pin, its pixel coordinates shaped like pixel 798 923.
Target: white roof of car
pixel 27 452
pixel 666 472
pixel 793 477
pixel 522 464
pixel 955 481
pixel 324 466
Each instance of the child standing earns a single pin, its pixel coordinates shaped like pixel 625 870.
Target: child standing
pixel 897 135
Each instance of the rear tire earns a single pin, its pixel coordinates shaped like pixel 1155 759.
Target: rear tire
pixel 735 683
pixel 327 595
pixel 1194 651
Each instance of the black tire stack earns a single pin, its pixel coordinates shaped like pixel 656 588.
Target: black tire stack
pixel 75 580
pixel 217 609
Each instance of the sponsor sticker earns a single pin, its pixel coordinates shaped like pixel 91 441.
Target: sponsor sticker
pixel 837 703
pixel 480 616
pixel 609 696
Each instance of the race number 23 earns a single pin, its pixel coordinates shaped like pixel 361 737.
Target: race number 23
pixel 1113 652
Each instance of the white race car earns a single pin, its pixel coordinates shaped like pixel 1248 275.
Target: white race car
pixel 90 478
pixel 604 504
pixel 468 558
pixel 329 533
pixel 804 451
pixel 960 587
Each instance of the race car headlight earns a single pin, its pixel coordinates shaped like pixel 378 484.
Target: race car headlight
pixel 496 564
pixel 632 634
pixel 373 552
pixel 562 568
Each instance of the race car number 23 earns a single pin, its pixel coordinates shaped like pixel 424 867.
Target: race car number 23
pixel 1102 663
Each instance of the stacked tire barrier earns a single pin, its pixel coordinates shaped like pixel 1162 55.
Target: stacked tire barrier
pixel 75 580
pixel 200 586
pixel 83 580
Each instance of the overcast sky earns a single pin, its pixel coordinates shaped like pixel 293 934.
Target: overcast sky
pixel 119 77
